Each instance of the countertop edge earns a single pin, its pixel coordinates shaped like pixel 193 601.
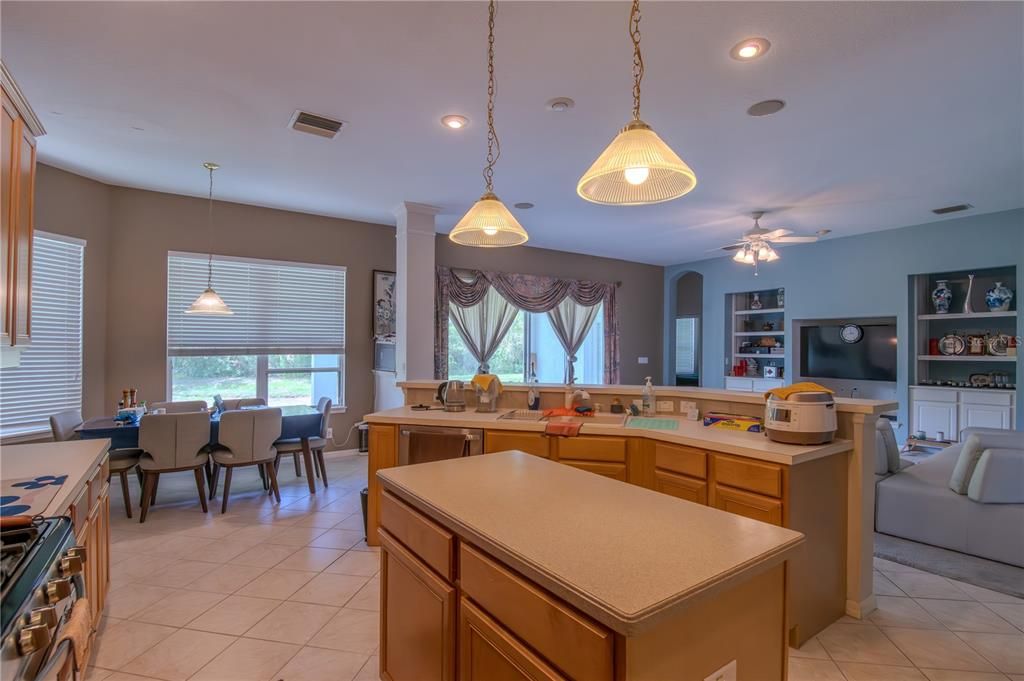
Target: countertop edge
pixel 67 493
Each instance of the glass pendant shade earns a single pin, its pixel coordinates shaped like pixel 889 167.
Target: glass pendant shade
pixel 740 255
pixel 209 303
pixel 488 224
pixel 636 168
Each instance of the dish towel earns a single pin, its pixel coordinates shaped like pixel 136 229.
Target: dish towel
pixel 483 381
pixel 562 428
pixel 805 387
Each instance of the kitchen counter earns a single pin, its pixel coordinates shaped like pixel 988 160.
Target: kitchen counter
pixel 77 459
pixel 576 534
pixel 691 433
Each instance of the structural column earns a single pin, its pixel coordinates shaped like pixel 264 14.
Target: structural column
pixel 414 289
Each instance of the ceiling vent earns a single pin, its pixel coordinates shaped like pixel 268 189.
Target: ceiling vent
pixel 952 209
pixel 303 121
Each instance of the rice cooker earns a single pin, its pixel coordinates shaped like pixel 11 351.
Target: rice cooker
pixel 807 418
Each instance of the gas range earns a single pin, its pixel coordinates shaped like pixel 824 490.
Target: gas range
pixel 41 571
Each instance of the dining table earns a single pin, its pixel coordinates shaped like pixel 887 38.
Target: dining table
pixel 298 422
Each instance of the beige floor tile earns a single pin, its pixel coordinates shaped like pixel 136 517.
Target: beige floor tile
pixel 295 536
pixel 134 566
pixel 234 615
pixel 220 552
pixel 855 671
pixel 950 675
pixel 180 655
pixel 127 600
pixel 806 669
pixel 338 539
pixel 1011 612
pixel 367 598
pixel 355 631
pixel 811 648
pixel 892 611
pixel 122 676
pixel 363 546
pixel 97 674
pixel 923 585
pixel 1005 651
pixel 263 555
pixel 125 641
pixel 181 572
pixel 1017 677
pixel 352 522
pixel 179 608
pixel 227 579
pixel 310 558
pixel 883 564
pixel 937 649
pixel 322 519
pixel 321 664
pixel 252 533
pixel 330 589
pixel 248 659
pixel 362 563
pixel 179 546
pixel 292 622
pixel 860 643
pixel 370 670
pixel 276 583
pixel 883 586
pixel 967 616
pixel 215 530
pixel 986 595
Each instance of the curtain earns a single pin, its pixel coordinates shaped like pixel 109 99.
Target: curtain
pixel 484 325
pixel 571 322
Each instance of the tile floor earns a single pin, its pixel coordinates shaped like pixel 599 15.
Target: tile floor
pixel 290 593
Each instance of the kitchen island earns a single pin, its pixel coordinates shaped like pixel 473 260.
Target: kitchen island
pixel 513 567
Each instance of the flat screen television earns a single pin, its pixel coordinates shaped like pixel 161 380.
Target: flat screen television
pixel 824 354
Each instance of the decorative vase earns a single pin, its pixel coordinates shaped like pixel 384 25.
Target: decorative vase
pixel 755 304
pixel 942 296
pixel 998 298
pixel 967 299
pixel 782 297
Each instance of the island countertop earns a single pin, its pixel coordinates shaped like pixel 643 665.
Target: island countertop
pixel 76 459
pixel 691 433
pixel 626 556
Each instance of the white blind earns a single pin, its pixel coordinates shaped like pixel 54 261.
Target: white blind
pixel 49 378
pixel 279 307
pixel 686 346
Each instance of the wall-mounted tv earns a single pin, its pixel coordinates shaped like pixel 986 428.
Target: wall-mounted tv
pixel 824 353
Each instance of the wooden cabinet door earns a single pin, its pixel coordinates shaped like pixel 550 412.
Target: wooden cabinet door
pixel 487 652
pixel 592 448
pixel 935 417
pixel 22 238
pixel 615 471
pixel 417 638
pixel 747 504
pixel 681 486
pixel 504 440
pixel 8 136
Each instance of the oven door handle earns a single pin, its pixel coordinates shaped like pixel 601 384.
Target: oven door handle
pixel 57 662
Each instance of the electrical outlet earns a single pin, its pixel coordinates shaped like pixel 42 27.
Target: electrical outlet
pixel 665 406
pixel 641 360
pixel 726 673
pixel 685 407
pixel 330 433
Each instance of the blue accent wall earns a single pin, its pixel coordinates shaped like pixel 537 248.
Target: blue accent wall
pixel 858 276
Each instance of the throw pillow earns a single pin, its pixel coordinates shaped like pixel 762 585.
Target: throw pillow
pixel 970 452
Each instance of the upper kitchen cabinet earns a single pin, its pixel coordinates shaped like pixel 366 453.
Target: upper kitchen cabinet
pixel 20 130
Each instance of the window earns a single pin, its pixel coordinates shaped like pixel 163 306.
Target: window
pixel 285 342
pixel 686 346
pixel 49 378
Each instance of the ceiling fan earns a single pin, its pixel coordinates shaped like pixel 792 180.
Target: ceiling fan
pixel 755 246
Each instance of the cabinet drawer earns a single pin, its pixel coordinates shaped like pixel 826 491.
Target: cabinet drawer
pixel 755 476
pixel 749 505
pixel 504 440
pixel 761 385
pixel 996 399
pixel 79 512
pixel 933 394
pixel 574 643
pixel 488 652
pixel 615 471
pixel 680 459
pixel 98 482
pixel 431 543
pixel 592 448
pixel 681 486
pixel 744 384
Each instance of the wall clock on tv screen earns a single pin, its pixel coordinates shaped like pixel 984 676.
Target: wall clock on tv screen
pixel 851 333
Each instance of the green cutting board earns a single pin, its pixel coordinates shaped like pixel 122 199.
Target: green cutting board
pixel 653 423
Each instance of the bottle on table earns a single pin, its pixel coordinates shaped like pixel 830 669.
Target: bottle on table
pixel 647 398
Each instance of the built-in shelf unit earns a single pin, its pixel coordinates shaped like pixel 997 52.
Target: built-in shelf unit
pixel 753 327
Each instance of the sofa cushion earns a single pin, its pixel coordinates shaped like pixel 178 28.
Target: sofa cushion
pixel 998 477
pixel 970 452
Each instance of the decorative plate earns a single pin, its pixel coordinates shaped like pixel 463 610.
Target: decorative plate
pixel 997 344
pixel 952 344
pixel 981 380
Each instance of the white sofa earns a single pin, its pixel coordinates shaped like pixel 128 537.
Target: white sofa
pixel 917 503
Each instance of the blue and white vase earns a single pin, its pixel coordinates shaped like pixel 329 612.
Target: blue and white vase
pixel 942 296
pixel 998 298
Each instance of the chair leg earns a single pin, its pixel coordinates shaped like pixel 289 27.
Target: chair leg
pixel 124 490
pixel 227 489
pixel 272 474
pixel 201 486
pixel 263 477
pixel 139 475
pixel 156 481
pixel 323 467
pixel 298 471
pixel 214 477
pixel 147 495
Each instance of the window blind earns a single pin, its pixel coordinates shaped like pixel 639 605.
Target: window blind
pixel 686 346
pixel 279 307
pixel 49 377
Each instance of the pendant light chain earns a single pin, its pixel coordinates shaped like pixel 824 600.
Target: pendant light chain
pixel 209 228
pixel 638 59
pixel 493 144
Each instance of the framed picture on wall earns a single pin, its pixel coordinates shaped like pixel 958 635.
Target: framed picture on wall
pixel 383 305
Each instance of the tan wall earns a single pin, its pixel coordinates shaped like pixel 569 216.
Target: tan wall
pixel 639 297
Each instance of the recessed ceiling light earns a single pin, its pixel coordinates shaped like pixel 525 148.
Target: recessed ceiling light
pixel 560 104
pixel 751 48
pixel 523 205
pixel 454 121
pixel 766 108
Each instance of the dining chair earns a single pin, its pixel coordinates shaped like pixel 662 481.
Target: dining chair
pixel 246 438
pixel 317 445
pixel 233 404
pixel 182 407
pixel 171 443
pixel 63 425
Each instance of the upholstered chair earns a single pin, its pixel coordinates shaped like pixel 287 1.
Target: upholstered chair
pixel 170 443
pixel 63 425
pixel 317 445
pixel 246 438
pixel 182 407
pixel 236 404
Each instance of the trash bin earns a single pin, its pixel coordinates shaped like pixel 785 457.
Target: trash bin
pixel 364 437
pixel 364 494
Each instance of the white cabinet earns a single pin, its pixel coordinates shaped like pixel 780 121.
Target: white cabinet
pixel 934 418
pixel 756 385
pixel 951 410
pixel 985 416
pixel 765 384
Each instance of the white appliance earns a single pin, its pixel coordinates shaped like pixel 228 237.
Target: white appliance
pixel 801 419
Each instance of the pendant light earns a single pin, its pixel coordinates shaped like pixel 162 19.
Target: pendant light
pixel 637 167
pixel 208 302
pixel 489 224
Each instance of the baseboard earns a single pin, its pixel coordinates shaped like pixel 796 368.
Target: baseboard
pixel 860 610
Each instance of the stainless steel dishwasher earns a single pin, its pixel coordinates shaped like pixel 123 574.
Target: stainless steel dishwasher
pixel 421 444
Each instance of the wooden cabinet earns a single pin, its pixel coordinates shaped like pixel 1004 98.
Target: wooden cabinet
pixel 417 638
pixel 488 652
pixel 96 540
pixel 754 476
pixel 681 486
pixel 593 453
pixel 383 446
pixel 756 506
pixel 504 440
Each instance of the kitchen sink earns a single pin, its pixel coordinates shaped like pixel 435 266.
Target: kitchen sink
pixel 596 419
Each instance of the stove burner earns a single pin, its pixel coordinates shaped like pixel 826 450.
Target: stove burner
pixel 14 544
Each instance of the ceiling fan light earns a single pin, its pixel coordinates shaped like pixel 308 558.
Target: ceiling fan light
pixel 488 224
pixel 772 255
pixel 748 257
pixel 763 251
pixel 209 303
pixel 740 255
pixel 612 179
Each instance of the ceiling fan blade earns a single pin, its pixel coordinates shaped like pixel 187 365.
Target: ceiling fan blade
pixel 730 247
pixel 796 240
pixel 775 234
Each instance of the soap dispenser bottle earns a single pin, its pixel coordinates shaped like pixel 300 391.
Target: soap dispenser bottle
pixel 647 398
pixel 533 395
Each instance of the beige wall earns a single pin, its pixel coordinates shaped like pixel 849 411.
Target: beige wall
pixel 639 297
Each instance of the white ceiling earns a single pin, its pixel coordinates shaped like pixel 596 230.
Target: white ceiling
pixel 892 108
